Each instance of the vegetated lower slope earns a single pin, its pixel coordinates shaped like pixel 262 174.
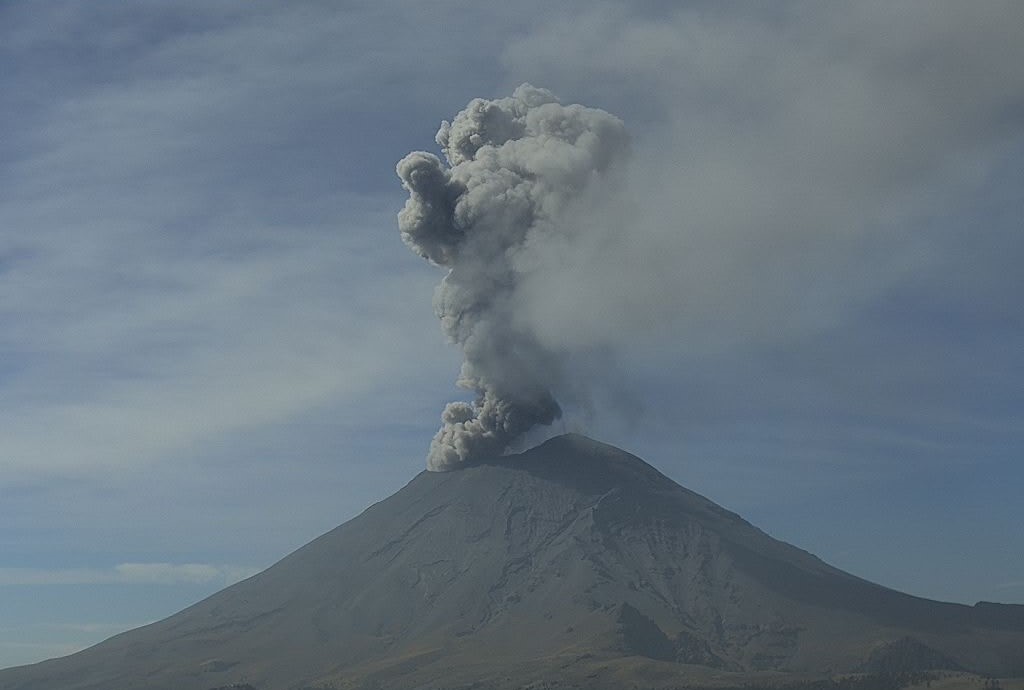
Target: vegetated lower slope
pixel 574 561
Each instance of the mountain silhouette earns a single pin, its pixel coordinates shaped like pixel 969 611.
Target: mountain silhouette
pixel 574 563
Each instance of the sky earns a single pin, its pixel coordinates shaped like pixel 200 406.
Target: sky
pixel 800 296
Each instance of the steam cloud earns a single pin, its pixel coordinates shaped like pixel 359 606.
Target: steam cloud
pixel 514 168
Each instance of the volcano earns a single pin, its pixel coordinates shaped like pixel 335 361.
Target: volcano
pixel 571 564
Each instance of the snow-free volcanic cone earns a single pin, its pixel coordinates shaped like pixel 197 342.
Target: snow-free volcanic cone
pixel 514 168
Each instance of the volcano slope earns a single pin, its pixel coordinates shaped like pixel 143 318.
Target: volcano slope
pixel 571 563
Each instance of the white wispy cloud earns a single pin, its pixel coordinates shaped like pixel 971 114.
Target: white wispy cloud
pixel 166 277
pixel 130 574
pixel 1017 584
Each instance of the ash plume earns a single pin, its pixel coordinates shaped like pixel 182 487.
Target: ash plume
pixel 515 167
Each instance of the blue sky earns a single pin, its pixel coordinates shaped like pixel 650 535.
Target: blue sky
pixel 804 304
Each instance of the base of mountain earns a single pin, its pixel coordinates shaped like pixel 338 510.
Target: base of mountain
pixel 624 676
pixel 588 672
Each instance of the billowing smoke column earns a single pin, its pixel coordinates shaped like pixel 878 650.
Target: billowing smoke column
pixel 515 165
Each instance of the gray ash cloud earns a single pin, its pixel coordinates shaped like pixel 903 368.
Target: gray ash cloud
pixel 514 168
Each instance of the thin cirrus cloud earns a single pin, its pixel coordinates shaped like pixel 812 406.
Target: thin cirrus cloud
pixel 156 291
pixel 129 574
pixel 239 346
